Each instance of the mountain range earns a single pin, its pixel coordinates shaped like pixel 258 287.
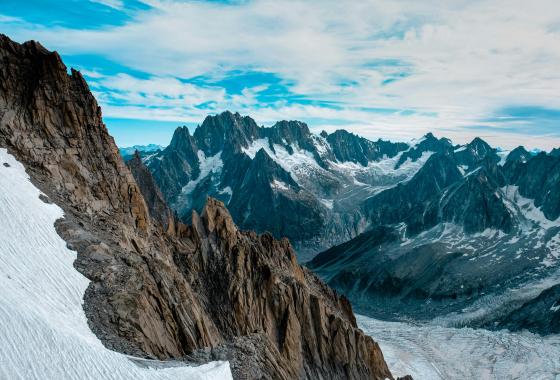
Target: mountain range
pixel 128 152
pixel 282 179
pixel 472 239
pixel 438 228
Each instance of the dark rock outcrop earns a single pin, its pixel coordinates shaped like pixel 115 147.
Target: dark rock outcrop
pixel 476 205
pixel 157 206
pixel 176 165
pixel 538 179
pixel 415 202
pixel 439 193
pixel 293 133
pixel 227 132
pixel 349 147
pixel 472 154
pixel 267 190
pixel 519 154
pixel 169 292
pixel 541 314
pixel 429 143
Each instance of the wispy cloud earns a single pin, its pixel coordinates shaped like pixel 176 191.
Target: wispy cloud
pixel 443 66
pixel 116 4
pixel 9 19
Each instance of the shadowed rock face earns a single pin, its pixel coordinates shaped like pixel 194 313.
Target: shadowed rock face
pixel 519 154
pixel 349 147
pixel 428 144
pixel 160 288
pixel 537 314
pixel 180 165
pixel 277 203
pixel 157 207
pixel 538 179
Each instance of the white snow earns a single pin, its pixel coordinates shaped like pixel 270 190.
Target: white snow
pixel 503 156
pixel 303 167
pixel 227 190
pixel 279 185
pixel 208 165
pixel 460 149
pixel 43 329
pixel 146 159
pixel 433 352
pixel 383 171
pixel 474 171
pixel 518 203
pixel 298 164
pixel 321 144
pixel 255 146
pixel 328 203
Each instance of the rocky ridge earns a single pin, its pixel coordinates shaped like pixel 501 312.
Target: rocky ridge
pixel 304 180
pixel 160 288
pixel 471 240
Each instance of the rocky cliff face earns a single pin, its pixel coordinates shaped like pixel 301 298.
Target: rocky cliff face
pixel 160 288
pixel 277 204
pixel 348 147
pixel 518 154
pixel 428 143
pixel 153 197
pixel 538 179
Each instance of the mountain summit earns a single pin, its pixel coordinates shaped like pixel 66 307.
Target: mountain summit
pixel 230 158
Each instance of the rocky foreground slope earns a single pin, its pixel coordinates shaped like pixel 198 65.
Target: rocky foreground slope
pixel 160 288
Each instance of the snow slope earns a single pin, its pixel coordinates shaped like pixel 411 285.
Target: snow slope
pixel 43 328
pixel 433 353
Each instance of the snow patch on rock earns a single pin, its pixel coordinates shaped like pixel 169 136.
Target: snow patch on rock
pixel 279 185
pixel 255 146
pixel 298 164
pixel 518 204
pixel 208 165
pixel 328 203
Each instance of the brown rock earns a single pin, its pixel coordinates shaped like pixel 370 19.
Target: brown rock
pixel 157 206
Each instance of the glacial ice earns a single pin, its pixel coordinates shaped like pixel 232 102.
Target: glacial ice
pixel 433 352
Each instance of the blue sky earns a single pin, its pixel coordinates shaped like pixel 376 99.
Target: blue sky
pixel 390 69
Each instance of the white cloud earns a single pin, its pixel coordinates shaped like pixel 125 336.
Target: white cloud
pixel 464 59
pixel 9 19
pixel 115 4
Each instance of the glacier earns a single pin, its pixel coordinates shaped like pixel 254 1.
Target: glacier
pixel 43 329
pixel 431 352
